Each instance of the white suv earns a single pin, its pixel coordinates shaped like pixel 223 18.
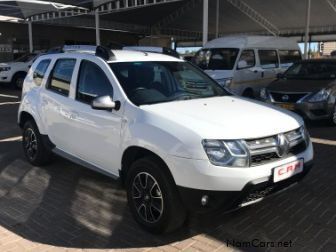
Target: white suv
pixel 15 72
pixel 176 139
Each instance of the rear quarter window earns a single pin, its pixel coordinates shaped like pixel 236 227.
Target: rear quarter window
pixel 60 78
pixel 288 57
pixel 40 71
pixel 268 58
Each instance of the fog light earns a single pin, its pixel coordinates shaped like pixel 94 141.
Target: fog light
pixel 204 200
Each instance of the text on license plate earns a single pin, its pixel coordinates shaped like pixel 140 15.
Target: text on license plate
pixel 287 170
pixel 288 106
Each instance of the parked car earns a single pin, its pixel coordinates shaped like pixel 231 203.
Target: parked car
pixel 246 64
pixel 308 87
pixel 14 72
pixel 176 139
pixel 153 49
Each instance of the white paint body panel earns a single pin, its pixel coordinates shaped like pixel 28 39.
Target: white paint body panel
pixel 255 77
pixel 173 130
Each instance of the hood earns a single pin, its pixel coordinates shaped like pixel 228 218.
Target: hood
pixel 292 85
pixel 226 117
pixel 12 64
pixel 219 74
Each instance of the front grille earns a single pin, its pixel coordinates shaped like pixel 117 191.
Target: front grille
pixel 287 97
pixel 266 150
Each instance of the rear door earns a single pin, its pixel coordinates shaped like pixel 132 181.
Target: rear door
pixel 56 104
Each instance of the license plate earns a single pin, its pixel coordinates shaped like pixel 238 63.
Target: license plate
pixel 288 170
pixel 288 106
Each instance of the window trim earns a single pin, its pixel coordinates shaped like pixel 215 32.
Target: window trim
pixel 277 65
pixel 48 84
pixel 254 64
pixel 44 74
pixel 78 76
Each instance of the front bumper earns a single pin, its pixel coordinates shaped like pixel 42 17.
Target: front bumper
pixel 224 201
pixel 227 188
pixel 311 111
pixel 5 77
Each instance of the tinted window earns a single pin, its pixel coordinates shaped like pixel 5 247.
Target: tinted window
pixel 312 70
pixel 39 72
pixel 157 82
pixel 288 57
pixel 249 57
pixel 268 58
pixel 92 82
pixel 217 58
pixel 61 76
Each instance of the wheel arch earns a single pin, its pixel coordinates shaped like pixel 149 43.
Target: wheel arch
pixel 21 72
pixel 24 117
pixel 133 153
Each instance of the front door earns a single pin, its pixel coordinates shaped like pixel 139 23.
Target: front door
pixel 95 134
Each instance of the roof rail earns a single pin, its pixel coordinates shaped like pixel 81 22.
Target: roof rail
pixel 105 53
pixel 100 51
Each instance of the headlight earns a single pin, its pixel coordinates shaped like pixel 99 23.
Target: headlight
pixel 224 82
pixel 322 95
pixel 5 69
pixel 226 153
pixel 305 134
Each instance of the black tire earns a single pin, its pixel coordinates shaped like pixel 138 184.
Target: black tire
pixel 145 204
pixel 248 93
pixel 333 117
pixel 35 151
pixel 17 81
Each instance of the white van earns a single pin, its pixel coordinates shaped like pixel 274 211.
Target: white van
pixel 245 64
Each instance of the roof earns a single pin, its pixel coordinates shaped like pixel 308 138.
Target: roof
pixel 244 41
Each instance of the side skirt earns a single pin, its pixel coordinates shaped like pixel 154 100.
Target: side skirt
pixel 83 163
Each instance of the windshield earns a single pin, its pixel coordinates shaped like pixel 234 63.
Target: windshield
pixel 217 58
pixel 312 70
pixel 157 82
pixel 26 58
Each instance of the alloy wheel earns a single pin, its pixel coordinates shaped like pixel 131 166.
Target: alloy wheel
pixel 147 197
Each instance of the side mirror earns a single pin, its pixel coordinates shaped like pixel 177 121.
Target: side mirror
pixel 105 103
pixel 242 64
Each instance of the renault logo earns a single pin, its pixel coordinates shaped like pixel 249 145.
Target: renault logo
pixel 283 145
pixel 285 98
